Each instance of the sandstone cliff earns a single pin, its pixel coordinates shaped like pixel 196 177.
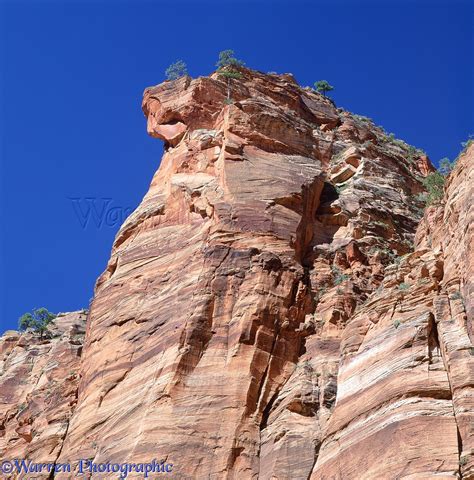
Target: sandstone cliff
pixel 268 311
pixel 38 388
pixel 405 403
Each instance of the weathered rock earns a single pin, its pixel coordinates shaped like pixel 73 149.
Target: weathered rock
pixel 264 313
pixel 230 286
pixel 405 401
pixel 38 388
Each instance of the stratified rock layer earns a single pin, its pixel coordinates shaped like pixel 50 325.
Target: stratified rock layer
pixel 405 404
pixel 213 338
pixel 38 388
pixel 268 311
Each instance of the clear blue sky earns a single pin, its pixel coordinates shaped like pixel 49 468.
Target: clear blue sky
pixel 72 76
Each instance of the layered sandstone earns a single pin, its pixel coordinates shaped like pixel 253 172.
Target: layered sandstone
pixel 405 402
pixel 38 388
pixel 268 311
pixel 213 338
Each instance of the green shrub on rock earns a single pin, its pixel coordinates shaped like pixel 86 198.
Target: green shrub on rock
pixel 37 321
pixel 176 70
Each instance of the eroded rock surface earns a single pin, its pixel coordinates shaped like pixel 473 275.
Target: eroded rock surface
pixel 215 331
pixel 405 401
pixel 38 388
pixel 270 310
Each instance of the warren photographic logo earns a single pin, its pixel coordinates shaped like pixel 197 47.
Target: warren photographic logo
pixel 19 467
pixel 94 212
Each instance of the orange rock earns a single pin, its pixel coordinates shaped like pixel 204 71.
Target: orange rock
pixel 407 367
pixel 212 298
pixel 256 318
pixel 38 388
pixel 354 254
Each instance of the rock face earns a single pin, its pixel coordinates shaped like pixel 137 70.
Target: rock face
pixel 405 404
pixel 268 311
pixel 38 388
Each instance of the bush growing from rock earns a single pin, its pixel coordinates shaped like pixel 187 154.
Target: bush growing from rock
pixel 176 70
pixel 434 184
pixel 339 277
pixel 227 67
pixel 465 145
pixel 445 166
pixel 37 321
pixel 323 86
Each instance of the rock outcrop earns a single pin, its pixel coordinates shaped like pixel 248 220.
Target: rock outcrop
pixel 405 402
pixel 270 310
pixel 39 379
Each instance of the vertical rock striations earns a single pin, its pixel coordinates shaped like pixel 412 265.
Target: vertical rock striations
pixel 213 338
pixel 270 310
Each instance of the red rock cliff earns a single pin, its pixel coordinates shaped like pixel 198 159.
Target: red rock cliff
pixel 38 388
pixel 268 312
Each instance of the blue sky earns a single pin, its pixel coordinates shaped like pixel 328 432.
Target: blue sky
pixel 72 75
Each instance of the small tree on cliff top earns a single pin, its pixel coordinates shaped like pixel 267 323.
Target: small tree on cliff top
pixel 37 321
pixel 322 86
pixel 227 67
pixel 176 70
pixel 227 59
